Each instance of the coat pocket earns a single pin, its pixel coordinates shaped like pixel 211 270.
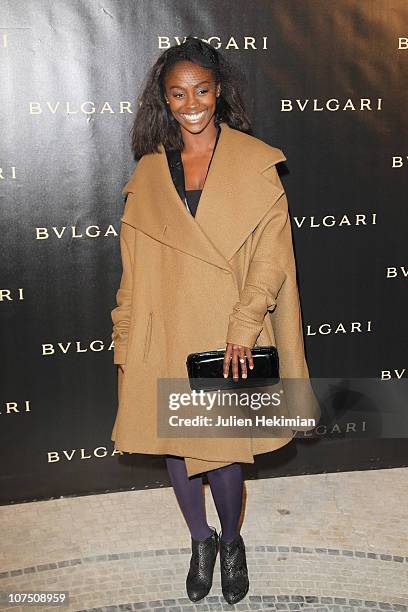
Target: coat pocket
pixel 148 337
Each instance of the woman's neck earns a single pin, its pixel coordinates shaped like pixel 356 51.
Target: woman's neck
pixel 199 144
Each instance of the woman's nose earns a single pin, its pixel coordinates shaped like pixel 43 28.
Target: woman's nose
pixel 191 102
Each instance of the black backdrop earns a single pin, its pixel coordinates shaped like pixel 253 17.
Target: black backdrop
pixel 325 81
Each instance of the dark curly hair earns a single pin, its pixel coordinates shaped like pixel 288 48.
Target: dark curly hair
pixel 154 122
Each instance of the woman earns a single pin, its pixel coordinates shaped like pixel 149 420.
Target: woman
pixel 208 262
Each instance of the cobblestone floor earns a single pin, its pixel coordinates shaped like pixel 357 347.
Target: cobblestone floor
pixel 319 542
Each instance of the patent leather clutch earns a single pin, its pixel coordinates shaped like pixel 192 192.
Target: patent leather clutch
pixel 205 370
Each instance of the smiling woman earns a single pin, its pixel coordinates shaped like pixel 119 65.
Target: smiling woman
pixel 194 109
pixel 192 93
pixel 224 277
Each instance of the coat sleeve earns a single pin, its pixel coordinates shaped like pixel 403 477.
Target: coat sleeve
pixel 271 267
pixel 271 285
pixel 121 313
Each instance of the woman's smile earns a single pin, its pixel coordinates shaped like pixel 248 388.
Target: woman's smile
pixel 193 117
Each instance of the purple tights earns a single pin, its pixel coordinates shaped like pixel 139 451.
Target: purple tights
pixel 226 484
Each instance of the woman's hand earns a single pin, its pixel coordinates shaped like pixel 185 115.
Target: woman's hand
pixel 235 353
pixel 122 367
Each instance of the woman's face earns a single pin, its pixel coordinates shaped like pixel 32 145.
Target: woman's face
pixel 191 93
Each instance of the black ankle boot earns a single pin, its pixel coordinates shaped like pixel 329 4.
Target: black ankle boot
pixel 200 576
pixel 234 571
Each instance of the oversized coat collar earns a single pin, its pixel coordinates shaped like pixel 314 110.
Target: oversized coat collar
pixel 238 192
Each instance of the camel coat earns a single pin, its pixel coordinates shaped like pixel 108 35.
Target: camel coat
pixel 192 284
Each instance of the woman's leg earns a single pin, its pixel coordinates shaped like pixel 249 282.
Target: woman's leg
pixel 227 487
pixel 190 496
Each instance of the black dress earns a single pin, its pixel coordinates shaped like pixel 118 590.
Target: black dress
pixel 193 198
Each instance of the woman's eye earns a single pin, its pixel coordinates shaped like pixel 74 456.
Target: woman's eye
pixel 201 91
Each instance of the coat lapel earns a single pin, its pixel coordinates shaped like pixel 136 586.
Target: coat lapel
pixel 236 196
pixel 237 192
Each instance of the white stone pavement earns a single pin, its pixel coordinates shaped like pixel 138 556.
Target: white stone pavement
pixel 319 542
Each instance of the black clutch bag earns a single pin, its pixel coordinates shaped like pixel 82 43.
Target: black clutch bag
pixel 205 370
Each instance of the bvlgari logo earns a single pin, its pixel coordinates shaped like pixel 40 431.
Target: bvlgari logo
pixel 394 272
pixel 334 429
pixel 391 374
pixel 6 173
pixel 314 221
pixel 351 327
pixel 15 407
pixel 399 161
pixel 11 295
pixel 402 42
pixel 245 43
pixel 72 231
pixel 331 104
pixel 64 348
pixel 79 453
pixel 88 107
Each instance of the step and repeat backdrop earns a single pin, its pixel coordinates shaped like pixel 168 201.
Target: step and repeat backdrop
pixel 324 81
